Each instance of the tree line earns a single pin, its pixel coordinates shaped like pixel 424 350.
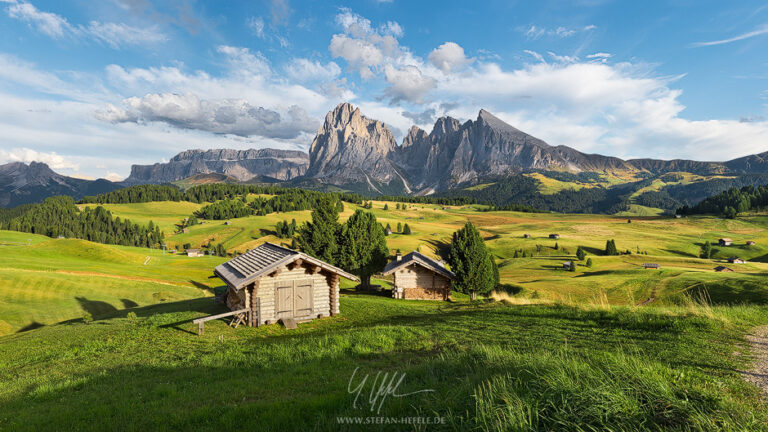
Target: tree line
pixel 731 202
pixel 59 216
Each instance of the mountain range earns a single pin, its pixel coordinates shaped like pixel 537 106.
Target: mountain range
pixel 356 153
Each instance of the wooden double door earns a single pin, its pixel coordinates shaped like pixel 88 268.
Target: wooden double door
pixel 295 299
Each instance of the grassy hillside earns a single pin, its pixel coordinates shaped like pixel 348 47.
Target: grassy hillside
pixel 487 366
pixel 673 243
pixel 54 280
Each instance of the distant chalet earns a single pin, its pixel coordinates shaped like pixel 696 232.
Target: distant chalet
pixel 195 253
pixel 724 242
pixel 736 260
pixel 554 236
pixel 419 277
pixel 526 236
pixel 653 266
pixel 721 269
pixel 751 243
pixel 274 283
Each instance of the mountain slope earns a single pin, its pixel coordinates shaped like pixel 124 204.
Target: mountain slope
pixel 242 165
pixel 22 184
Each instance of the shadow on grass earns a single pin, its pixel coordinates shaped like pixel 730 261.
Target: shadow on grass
pixel 31 326
pixel 95 307
pixel 262 384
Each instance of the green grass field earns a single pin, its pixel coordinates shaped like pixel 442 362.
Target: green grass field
pixel 558 350
pixel 488 366
pixel 54 280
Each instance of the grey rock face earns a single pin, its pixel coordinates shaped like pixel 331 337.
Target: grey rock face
pixel 23 184
pixel 351 148
pixel 240 164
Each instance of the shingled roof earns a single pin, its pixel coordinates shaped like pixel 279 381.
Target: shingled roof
pixel 422 260
pixel 262 260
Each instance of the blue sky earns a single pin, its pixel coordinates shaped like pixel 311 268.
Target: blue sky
pixel 93 87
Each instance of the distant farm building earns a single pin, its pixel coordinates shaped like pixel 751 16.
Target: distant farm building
pixel 195 253
pixel 722 269
pixel 567 265
pixel 750 243
pixel 651 266
pixel 389 231
pixel 276 283
pixel 526 236
pixel 228 223
pixel 678 216
pixel 419 277
pixel 185 230
pixel 736 260
pixel 554 236
pixel 724 242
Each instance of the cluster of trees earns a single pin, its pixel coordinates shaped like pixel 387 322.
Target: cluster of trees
pixel 59 216
pixel 284 229
pixel 610 248
pixel 731 202
pixel 402 229
pixel 224 209
pixel 706 250
pixel 358 245
pixel 137 194
pixel 525 191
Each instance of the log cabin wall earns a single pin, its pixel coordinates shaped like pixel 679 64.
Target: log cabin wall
pixel 267 294
pixel 420 283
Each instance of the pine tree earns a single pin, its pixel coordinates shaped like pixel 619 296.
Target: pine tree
pixel 589 262
pixel 557 246
pixel 706 250
pixel 386 207
pixel 399 227
pixel 363 247
pixel 580 254
pixel 572 267
pixel 319 238
pixel 406 229
pixel 388 229
pixel 471 262
pixel 610 248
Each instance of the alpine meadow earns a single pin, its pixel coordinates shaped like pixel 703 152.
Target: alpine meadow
pixel 287 215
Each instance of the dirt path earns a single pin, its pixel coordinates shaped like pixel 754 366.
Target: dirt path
pixel 758 375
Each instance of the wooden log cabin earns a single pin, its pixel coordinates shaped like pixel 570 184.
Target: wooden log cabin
pixel 419 277
pixel 276 283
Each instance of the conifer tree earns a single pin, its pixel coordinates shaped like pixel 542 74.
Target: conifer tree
pixel 471 262
pixel 363 247
pixel 319 238
pixel 406 229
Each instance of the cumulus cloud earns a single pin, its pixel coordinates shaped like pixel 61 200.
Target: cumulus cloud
pixel 26 155
pixel 364 47
pixel 226 116
pixel 302 69
pixel 619 109
pixel 407 84
pixel 425 117
pixel 448 56
pixel 114 35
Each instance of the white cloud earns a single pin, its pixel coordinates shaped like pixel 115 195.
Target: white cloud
pixel 757 32
pixel 223 116
pixel 536 32
pixel 302 69
pixel 407 84
pixel 113 176
pixel 256 24
pixel 115 35
pixel 448 56
pixel 364 47
pixel 26 155
pixel 621 110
